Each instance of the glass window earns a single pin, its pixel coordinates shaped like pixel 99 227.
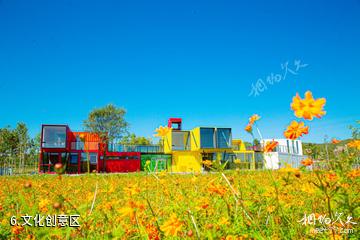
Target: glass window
pixel 207 137
pixel 77 145
pixel 64 157
pixel 45 159
pixel 54 137
pixel 223 137
pixel 73 158
pixel 53 158
pixel 44 168
pixel 288 146
pixel 93 158
pixel 297 147
pixel 180 140
pixel 83 157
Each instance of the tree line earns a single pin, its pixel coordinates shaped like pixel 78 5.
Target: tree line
pixel 19 152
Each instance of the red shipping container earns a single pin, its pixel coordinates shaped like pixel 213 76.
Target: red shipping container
pixel 123 162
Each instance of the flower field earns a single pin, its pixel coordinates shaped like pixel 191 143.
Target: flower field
pixel 315 201
pixel 221 205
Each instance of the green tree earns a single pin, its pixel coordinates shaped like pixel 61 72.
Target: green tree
pixel 15 147
pixel 8 147
pixel 132 139
pixel 355 130
pixel 109 123
pixel 21 132
pixel 34 150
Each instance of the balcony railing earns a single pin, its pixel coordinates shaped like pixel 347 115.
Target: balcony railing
pixel 135 148
pixel 86 146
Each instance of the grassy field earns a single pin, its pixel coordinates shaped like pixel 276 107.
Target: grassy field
pixel 219 205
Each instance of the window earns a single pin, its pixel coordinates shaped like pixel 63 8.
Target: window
pixel 93 158
pixel 208 156
pixel 45 158
pixel 74 158
pixel 79 145
pixel 83 157
pixel 297 147
pixel 207 137
pixel 293 146
pixel 181 140
pixel 53 158
pixel 223 137
pixel 288 146
pixel 54 137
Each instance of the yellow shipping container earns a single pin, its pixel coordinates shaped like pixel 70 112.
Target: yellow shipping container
pixel 186 161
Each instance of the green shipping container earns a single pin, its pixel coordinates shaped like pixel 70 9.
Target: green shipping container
pixel 158 162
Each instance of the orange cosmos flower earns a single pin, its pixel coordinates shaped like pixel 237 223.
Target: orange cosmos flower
pixel 17 229
pixel 295 130
pixel 332 176
pixel 354 173
pixel 253 119
pixel 354 144
pixel 270 146
pixel 307 162
pixel 308 107
pixel 335 141
pixel 162 131
pixel 218 189
pixel 248 128
pixel 172 226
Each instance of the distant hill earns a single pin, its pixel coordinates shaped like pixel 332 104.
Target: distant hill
pixel 320 150
pixel 342 143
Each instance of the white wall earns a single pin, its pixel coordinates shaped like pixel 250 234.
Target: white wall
pixel 271 160
pixel 286 145
pixel 275 160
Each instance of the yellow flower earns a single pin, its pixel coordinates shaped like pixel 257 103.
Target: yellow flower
pixel 295 130
pixel 5 222
pixel 308 108
pixel 126 212
pixel 224 221
pixel 270 209
pixel 204 203
pixel 354 144
pixel 172 226
pixel 308 188
pixel 289 169
pixel 237 161
pixel 43 204
pixel 162 173
pixel 131 190
pixel 268 194
pixel 207 163
pixel 162 131
pixel 354 173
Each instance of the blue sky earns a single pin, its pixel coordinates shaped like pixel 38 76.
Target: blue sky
pixel 191 59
